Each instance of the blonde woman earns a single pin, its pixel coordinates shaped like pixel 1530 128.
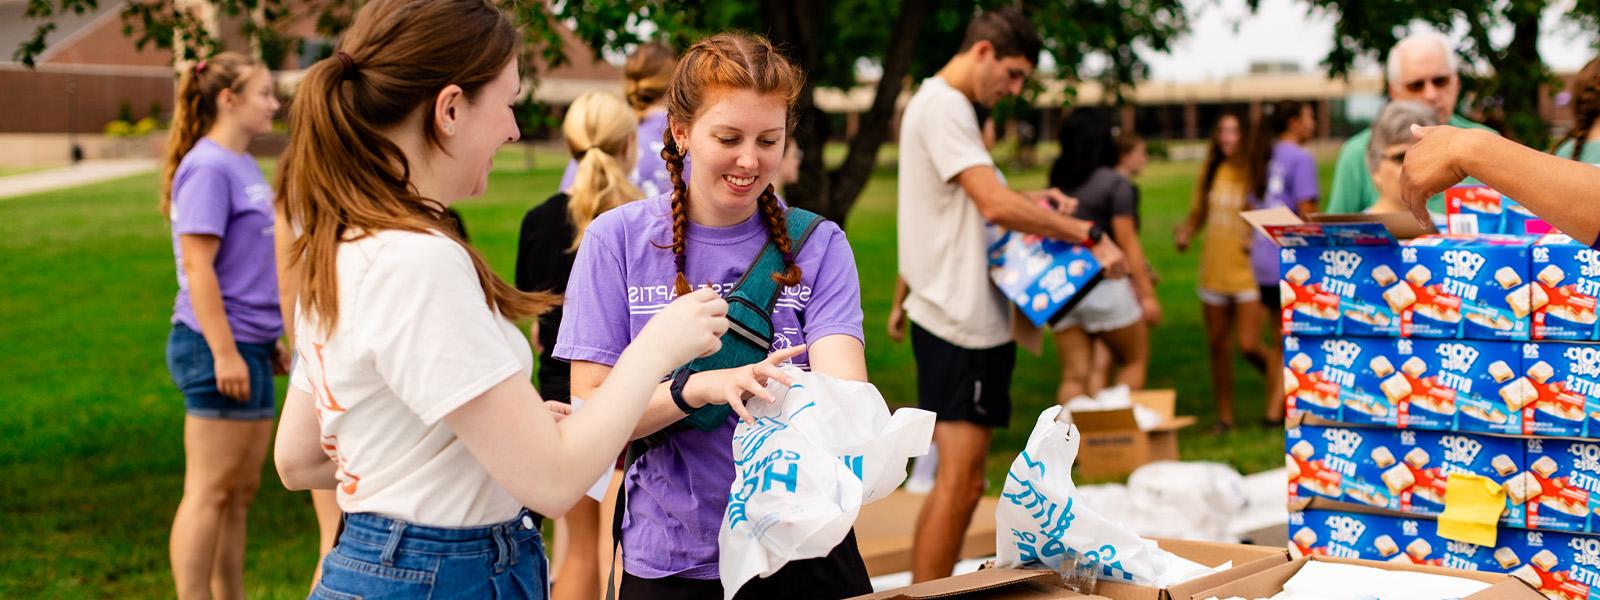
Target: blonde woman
pixel 600 131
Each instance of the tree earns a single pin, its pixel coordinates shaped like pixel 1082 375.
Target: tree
pixel 1510 93
pixel 829 39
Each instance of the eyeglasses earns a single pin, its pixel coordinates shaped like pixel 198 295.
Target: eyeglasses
pixel 1398 157
pixel 1417 86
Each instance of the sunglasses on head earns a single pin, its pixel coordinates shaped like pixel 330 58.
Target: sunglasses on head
pixel 1417 86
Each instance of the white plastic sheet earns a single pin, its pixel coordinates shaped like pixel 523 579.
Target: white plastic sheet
pixel 803 471
pixel 1040 522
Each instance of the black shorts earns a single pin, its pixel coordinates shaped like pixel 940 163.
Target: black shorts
pixel 840 574
pixel 1271 298
pixel 962 384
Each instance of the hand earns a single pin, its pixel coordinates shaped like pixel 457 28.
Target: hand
pixel 733 386
pixel 1151 307
pixel 559 410
pixel 233 375
pixel 1182 235
pixel 688 328
pixel 533 337
pixel 1112 260
pixel 281 359
pixel 1056 199
pixel 1432 165
pixel 897 324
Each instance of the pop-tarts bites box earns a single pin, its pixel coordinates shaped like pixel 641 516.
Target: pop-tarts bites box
pixel 1319 459
pixel 1557 387
pixel 1357 364
pixel 1464 376
pixel 1310 288
pixel 1043 277
pixel 1363 311
pixel 1565 286
pixel 1363 536
pixel 1382 477
pixel 1562 566
pixel 1499 459
pixel 1479 209
pixel 1469 287
pixel 1315 376
pixel 1561 487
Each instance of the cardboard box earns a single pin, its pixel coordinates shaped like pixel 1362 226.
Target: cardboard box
pixel 1467 376
pixel 1566 476
pixel 1316 375
pixel 1463 287
pixel 993 584
pixel 1270 582
pixel 1562 566
pixel 1113 444
pixel 1043 277
pixel 1560 381
pixel 1247 560
pixel 883 531
pixel 1397 376
pixel 1566 289
pixel 1364 536
pixel 1372 399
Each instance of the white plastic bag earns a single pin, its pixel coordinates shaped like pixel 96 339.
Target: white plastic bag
pixel 803 471
pixel 1039 521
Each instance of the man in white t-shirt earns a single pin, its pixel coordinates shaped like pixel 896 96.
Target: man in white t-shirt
pixel 961 324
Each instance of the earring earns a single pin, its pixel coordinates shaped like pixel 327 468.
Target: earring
pixel 450 128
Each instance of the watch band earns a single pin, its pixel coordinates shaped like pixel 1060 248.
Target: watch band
pixel 680 378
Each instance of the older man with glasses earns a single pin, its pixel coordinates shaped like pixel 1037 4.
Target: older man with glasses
pixel 1421 68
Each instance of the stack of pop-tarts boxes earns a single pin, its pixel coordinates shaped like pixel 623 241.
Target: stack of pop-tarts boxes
pixel 1408 361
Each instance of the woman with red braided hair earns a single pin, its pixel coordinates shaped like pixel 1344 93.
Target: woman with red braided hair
pixel 730 107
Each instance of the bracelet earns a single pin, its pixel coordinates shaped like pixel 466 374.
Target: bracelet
pixel 680 378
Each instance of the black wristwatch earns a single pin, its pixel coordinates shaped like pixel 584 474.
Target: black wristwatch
pixel 1096 233
pixel 680 378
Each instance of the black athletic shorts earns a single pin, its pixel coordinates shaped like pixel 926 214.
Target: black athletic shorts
pixel 962 384
pixel 840 574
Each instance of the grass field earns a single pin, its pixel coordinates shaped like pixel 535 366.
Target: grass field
pixel 93 457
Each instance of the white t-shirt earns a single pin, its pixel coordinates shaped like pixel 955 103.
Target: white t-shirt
pixel 943 253
pixel 415 340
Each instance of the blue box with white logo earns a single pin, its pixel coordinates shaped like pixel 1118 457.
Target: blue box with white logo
pixel 1560 565
pixel 1364 311
pixel 1367 537
pixel 1498 459
pixel 1565 289
pixel 1381 477
pixel 1463 377
pixel 1044 278
pixel 1310 291
pixel 1560 489
pixel 1467 287
pixel 1319 459
pixel 1315 376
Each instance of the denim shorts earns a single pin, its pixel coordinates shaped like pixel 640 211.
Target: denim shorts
pixel 379 557
pixel 194 371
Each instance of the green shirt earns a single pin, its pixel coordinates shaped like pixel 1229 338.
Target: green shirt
pixel 1353 191
pixel 1591 151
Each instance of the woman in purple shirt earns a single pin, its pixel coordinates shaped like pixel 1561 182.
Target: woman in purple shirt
pixel 222 351
pixel 731 107
pixel 1284 175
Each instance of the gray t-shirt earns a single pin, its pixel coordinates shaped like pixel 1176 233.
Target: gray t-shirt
pixel 1106 194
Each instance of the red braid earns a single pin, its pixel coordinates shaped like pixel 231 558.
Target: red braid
pixel 680 210
pixel 778 231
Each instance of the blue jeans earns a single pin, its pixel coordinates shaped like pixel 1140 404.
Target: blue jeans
pixel 379 557
pixel 193 369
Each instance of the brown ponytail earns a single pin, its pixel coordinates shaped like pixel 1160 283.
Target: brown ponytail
pixel 196 109
pixel 341 179
pixel 727 61
pixel 646 75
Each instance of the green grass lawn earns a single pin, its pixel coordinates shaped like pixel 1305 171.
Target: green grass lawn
pixel 93 460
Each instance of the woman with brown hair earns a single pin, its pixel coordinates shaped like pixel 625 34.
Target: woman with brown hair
pixel 599 130
pixel 222 351
pixel 731 107
pixel 412 392
pixel 1229 297
pixel 1585 116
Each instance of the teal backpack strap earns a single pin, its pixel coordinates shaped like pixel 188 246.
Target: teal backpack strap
pixel 749 336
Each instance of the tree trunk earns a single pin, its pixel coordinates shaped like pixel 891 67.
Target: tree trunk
pixel 833 194
pixel 1521 91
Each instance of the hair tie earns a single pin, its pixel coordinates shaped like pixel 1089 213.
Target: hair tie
pixel 200 67
pixel 680 259
pixel 349 64
pixel 788 258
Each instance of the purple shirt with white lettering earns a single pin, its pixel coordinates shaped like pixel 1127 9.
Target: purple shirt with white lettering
pixel 221 193
pixel 650 171
pixel 677 492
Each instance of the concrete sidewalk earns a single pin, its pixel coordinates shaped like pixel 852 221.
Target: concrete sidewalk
pixel 80 174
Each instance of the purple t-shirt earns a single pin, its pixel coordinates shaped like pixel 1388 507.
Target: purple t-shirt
pixel 677 491
pixel 1291 177
pixel 650 172
pixel 218 192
